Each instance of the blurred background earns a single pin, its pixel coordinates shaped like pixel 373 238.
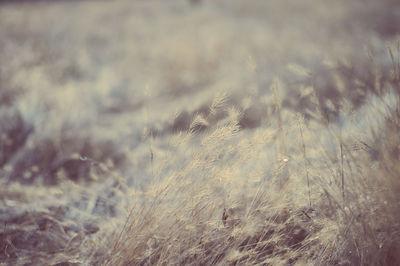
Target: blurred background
pixel 107 70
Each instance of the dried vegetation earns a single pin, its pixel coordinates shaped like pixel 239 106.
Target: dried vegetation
pixel 146 142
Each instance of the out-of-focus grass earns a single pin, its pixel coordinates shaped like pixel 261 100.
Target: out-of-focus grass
pixel 216 132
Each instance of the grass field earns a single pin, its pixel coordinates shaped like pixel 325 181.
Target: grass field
pixel 221 132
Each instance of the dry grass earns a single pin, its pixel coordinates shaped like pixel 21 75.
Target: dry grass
pixel 218 210
pixel 225 206
pixel 204 133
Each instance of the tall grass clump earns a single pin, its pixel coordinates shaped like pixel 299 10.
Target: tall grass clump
pixel 225 202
